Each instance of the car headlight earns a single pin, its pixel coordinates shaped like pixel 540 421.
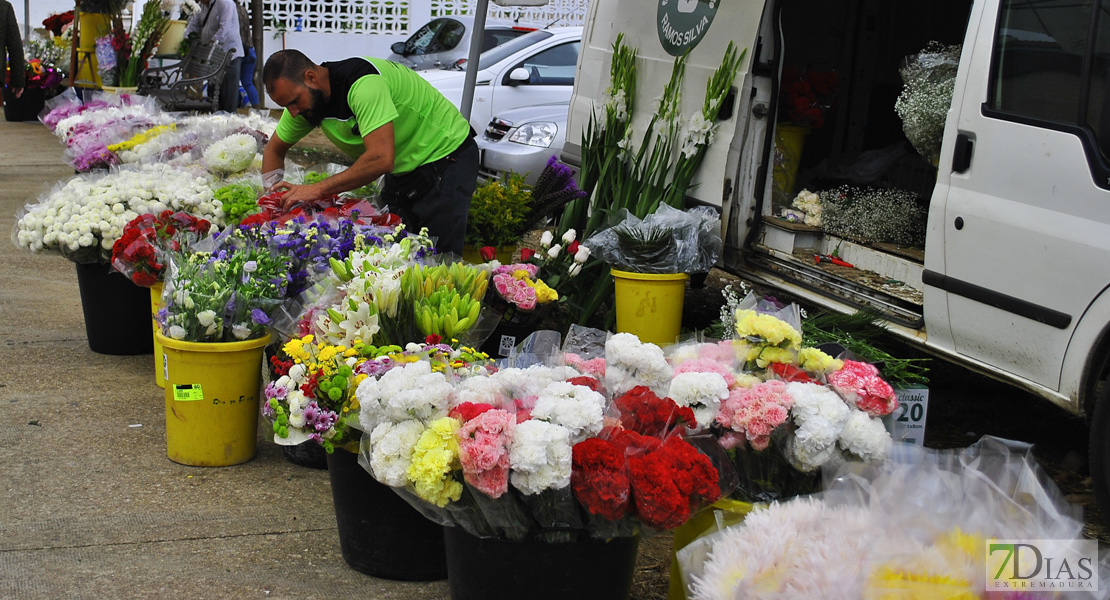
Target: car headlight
pixel 540 133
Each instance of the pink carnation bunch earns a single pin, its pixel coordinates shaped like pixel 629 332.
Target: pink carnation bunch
pixel 859 382
pixel 484 450
pixel 707 365
pixel 755 412
pixel 594 367
pixel 516 291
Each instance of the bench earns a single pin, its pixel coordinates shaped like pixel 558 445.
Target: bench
pixel 182 86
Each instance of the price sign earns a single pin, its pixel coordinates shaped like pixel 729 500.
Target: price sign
pixel 907 423
pixel 187 392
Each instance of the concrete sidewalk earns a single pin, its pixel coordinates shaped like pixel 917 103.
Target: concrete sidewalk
pixel 90 507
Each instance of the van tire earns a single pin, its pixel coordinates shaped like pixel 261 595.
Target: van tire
pixel 1098 448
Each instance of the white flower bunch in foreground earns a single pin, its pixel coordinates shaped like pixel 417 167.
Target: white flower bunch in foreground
pixel 540 457
pixel 402 393
pixel 87 215
pixel 392 445
pixel 630 362
pixel 702 392
pixel 576 407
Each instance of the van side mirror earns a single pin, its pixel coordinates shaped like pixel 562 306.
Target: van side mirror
pixel 398 48
pixel 518 76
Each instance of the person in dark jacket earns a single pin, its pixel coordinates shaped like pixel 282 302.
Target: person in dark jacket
pixel 11 50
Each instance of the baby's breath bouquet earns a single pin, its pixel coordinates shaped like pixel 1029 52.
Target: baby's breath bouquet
pixel 879 215
pixel 929 78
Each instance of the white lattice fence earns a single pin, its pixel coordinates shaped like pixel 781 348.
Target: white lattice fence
pixel 401 17
pixel 389 17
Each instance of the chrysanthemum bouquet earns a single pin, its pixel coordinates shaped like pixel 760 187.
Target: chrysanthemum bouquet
pixel 311 393
pixel 538 452
pixel 140 253
pixel 83 218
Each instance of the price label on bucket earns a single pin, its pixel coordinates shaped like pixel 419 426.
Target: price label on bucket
pixel 187 392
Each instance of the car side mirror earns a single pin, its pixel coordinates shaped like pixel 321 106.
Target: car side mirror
pixel 518 76
pixel 398 48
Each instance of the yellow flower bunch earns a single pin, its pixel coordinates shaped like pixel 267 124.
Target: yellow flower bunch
pixel 773 330
pixel 765 355
pixel 141 138
pixel 544 293
pixel 435 456
pixel 816 361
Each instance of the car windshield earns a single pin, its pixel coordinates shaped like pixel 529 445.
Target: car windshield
pixel 498 54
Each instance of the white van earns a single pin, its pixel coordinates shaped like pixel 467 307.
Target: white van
pixel 1012 280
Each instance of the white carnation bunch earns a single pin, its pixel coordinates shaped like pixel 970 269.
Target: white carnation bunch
pixel 576 407
pixel 406 392
pixel 702 392
pixel 820 415
pixel 865 436
pixel 392 445
pixel 630 362
pixel 540 457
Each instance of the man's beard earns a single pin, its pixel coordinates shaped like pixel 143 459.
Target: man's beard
pixel 315 115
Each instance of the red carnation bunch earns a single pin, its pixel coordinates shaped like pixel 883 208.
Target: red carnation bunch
pixel 807 95
pixel 137 253
pixel 647 414
pixel 661 482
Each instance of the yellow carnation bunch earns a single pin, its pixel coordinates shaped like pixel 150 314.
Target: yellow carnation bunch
pixel 773 330
pixel 435 456
pixel 816 361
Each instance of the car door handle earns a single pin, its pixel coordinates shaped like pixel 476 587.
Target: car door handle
pixel 961 154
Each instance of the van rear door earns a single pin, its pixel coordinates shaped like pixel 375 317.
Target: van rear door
pixel 1019 241
pixel 660 30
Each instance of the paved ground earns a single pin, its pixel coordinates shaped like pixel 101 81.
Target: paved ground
pixel 90 507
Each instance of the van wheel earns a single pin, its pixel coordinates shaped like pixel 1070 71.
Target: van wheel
pixel 1098 449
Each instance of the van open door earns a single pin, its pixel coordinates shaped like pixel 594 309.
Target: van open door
pixel 659 31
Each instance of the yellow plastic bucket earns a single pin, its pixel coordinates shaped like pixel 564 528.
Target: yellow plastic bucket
pixel 212 394
pixel 730 512
pixel 649 305
pixel 90 27
pixel 789 142
pixel 155 304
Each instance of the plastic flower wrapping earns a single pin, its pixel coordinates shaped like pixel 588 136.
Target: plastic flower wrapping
pixel 83 218
pixel 783 412
pixel 110 129
pixel 665 241
pixel 224 292
pixel 915 526
pixel 534 449
pixel 141 252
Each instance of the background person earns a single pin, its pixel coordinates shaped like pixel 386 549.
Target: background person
pixel 250 58
pixel 11 50
pixel 392 122
pixel 218 21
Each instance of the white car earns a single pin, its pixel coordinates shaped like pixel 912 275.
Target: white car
pixel 442 42
pixel 535 68
pixel 522 140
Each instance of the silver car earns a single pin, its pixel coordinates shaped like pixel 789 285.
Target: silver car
pixel 445 41
pixel 522 140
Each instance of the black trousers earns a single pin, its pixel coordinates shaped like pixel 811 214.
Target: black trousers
pixel 437 196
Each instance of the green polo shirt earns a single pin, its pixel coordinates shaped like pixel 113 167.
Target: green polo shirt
pixel 370 92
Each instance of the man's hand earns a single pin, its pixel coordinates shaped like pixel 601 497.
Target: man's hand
pixel 292 194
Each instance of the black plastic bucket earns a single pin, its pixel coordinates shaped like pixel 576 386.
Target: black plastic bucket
pixel 484 568
pixel 381 534
pixel 117 312
pixel 306 454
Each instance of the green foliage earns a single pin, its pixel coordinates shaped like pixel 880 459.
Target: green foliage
pixel 859 333
pixel 499 211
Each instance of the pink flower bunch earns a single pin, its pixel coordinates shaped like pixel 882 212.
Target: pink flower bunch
pixel 755 412
pixel 594 367
pixel 484 450
pixel 513 268
pixel 516 291
pixel 707 365
pixel 859 382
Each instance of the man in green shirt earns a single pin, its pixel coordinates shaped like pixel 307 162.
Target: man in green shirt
pixel 391 122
